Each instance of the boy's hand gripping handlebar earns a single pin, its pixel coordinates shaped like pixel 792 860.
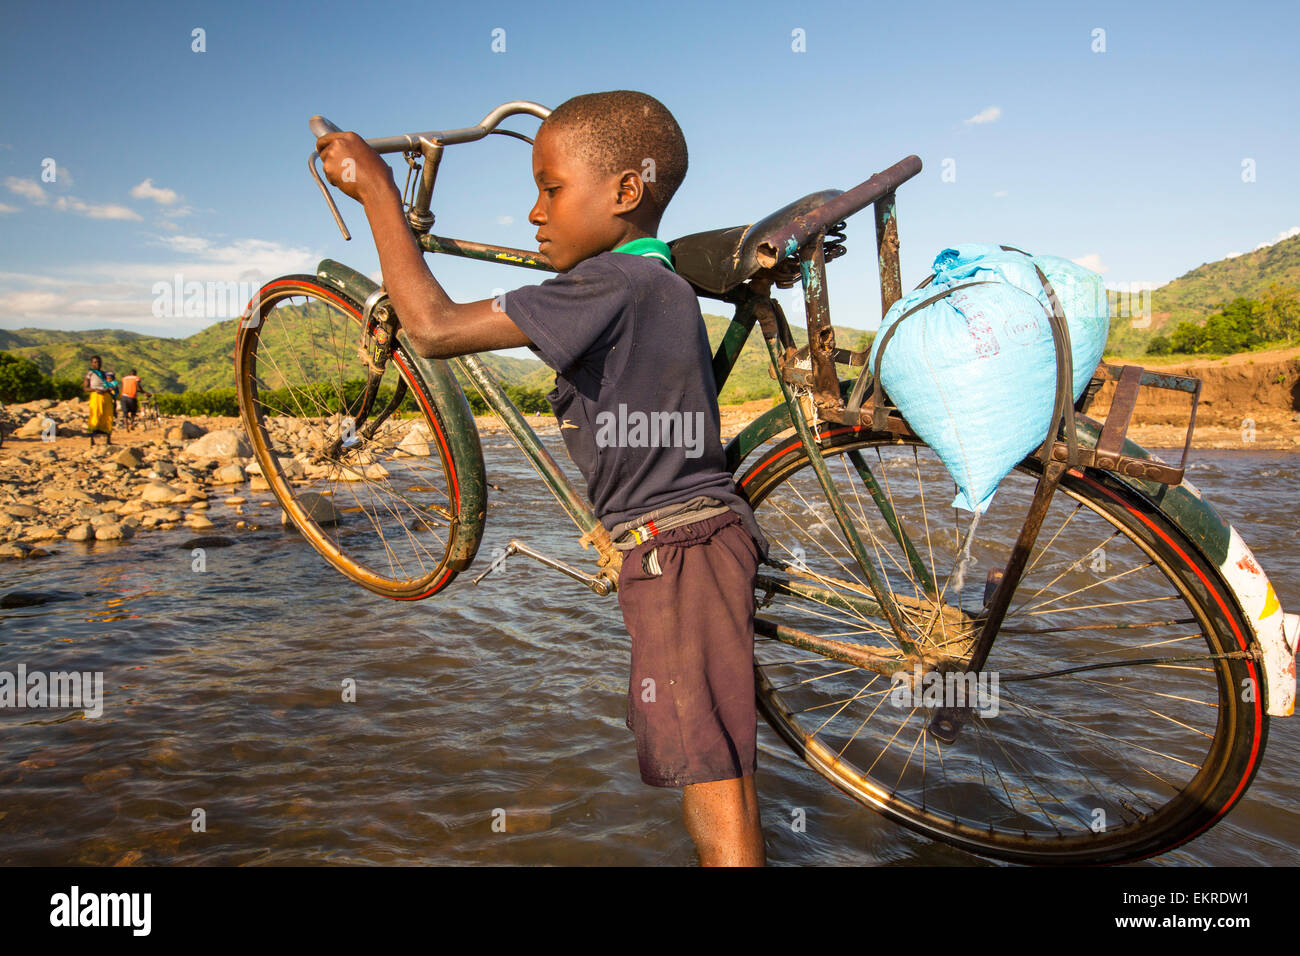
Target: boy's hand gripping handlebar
pixel 319 127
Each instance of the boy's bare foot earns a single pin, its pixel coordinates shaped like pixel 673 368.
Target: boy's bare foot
pixel 722 819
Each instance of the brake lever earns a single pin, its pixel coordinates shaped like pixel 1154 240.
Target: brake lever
pixel 320 126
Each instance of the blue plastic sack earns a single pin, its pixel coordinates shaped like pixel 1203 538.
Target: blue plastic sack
pixel 974 372
pixel 1080 292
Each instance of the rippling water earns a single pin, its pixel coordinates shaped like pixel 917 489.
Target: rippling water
pixel 223 693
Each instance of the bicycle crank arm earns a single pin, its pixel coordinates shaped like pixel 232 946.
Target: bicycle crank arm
pixel 598 584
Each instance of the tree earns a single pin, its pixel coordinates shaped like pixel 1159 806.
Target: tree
pixel 1280 314
pixel 21 380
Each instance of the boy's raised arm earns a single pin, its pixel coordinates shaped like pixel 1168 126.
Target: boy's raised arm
pixel 436 326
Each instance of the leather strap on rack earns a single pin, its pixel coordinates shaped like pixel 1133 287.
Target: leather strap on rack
pixel 1111 442
pixel 879 414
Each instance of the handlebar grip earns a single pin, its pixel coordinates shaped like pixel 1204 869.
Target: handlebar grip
pixel 320 126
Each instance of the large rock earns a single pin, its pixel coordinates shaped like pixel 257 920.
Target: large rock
pixel 318 507
pixel 232 474
pixel 224 444
pixel 416 441
pixel 157 491
pixel 185 431
pixel 32 428
pixel 113 532
pixel 81 532
pixel 130 457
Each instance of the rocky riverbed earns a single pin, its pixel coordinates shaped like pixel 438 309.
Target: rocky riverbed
pixel 200 473
pixel 196 473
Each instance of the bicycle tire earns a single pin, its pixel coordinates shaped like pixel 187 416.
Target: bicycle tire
pixel 420 493
pixel 1174 813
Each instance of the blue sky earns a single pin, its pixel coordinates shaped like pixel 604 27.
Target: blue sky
pixel 169 161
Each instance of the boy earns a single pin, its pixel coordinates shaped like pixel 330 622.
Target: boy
pixel 625 335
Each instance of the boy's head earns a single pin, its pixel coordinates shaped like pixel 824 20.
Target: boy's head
pixel 606 166
pixel 95 361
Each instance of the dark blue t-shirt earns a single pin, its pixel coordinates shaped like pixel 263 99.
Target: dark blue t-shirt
pixel 634 390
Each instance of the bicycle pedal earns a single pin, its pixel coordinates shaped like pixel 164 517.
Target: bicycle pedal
pixel 599 584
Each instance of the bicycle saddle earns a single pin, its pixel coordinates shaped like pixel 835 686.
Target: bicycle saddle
pixel 719 260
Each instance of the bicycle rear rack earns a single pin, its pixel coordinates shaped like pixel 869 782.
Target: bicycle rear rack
pixel 809 383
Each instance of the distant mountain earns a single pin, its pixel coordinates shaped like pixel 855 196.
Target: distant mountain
pixel 206 359
pixel 1196 294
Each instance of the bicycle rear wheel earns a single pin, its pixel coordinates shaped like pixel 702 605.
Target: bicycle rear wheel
pixel 1126 717
pixel 379 496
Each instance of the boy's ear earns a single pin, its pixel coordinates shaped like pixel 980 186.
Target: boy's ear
pixel 631 191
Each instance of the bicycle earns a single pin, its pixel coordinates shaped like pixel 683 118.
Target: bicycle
pixel 147 417
pixel 1132 671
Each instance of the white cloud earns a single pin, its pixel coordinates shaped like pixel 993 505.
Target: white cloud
pixel 1285 234
pixel 122 293
pixel 999 194
pixel 32 191
pixel 29 189
pixel 505 220
pixel 94 210
pixel 987 115
pixel 147 190
pixel 1232 255
pixel 1092 261
pixel 6 209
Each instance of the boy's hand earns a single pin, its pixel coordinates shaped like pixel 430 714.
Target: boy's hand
pixel 353 166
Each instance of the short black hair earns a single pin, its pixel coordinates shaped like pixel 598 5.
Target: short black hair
pixel 96 358
pixel 621 129
pixel 133 371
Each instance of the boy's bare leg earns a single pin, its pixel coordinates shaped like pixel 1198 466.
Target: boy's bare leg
pixel 722 819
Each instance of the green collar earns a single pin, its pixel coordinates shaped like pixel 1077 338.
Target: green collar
pixel 648 246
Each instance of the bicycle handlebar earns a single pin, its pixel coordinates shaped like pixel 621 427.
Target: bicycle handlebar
pixel 414 142
pixel 428 144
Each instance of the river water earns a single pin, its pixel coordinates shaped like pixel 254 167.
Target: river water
pixel 224 707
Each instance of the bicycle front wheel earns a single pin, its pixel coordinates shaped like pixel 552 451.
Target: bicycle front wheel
pixel 1118 715
pixel 369 478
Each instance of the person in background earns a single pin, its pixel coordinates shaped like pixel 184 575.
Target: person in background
pixel 131 388
pixel 101 401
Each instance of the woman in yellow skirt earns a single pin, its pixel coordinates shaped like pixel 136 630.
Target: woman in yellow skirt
pixel 102 399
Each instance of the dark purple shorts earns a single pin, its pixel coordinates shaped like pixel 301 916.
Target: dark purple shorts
pixel 688 602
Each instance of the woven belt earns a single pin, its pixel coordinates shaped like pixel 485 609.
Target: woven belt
pixel 628 534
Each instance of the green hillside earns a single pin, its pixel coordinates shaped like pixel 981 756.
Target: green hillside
pixel 206 359
pixel 1193 296
pixel 1268 278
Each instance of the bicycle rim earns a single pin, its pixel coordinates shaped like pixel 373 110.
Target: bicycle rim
pixel 1055 764
pixel 379 500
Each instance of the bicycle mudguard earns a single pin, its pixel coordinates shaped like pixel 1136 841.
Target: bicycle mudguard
pixel 1276 632
pixel 460 430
